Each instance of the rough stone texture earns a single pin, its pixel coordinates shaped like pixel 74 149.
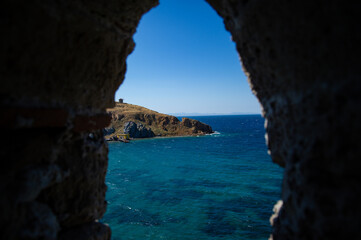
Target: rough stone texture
pixel 108 131
pixel 196 126
pixel 51 180
pixel 303 65
pixel 60 65
pixel 88 231
pixel 302 61
pixel 66 53
pixel 137 130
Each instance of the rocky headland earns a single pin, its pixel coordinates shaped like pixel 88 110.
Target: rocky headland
pixel 140 122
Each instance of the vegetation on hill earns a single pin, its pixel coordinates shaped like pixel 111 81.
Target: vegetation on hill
pixel 160 124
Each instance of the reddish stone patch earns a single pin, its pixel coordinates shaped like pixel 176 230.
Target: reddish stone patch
pixel 33 118
pixel 52 118
pixel 89 123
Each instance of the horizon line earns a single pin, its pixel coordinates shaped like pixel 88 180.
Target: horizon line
pixel 211 114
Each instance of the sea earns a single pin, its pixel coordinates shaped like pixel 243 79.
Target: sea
pixel 213 187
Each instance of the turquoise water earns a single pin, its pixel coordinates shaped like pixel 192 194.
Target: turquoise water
pixel 221 186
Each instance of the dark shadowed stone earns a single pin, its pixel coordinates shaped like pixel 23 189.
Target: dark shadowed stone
pixel 302 63
pixel 108 131
pixel 40 215
pixel 88 231
pixel 137 130
pixel 198 127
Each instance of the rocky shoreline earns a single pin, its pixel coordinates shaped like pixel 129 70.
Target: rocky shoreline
pixel 139 122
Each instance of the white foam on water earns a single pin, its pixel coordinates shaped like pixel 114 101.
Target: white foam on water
pixel 215 133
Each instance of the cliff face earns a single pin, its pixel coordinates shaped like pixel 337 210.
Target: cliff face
pixel 124 114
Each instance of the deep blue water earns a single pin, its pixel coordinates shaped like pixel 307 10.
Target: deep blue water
pixel 221 186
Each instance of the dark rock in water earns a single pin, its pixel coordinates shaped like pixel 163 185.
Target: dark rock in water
pixel 137 130
pixel 108 131
pixel 197 126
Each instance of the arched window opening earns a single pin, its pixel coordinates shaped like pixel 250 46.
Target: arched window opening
pixel 208 187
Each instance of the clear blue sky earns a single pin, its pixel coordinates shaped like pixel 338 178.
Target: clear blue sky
pixel 185 62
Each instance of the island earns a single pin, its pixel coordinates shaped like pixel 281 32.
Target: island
pixel 139 122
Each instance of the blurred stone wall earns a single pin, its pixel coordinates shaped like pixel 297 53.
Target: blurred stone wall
pixel 62 61
pixel 302 61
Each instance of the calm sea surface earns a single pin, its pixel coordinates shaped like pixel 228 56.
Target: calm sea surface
pixel 221 186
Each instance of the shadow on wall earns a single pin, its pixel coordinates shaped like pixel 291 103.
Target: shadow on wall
pixel 57 56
